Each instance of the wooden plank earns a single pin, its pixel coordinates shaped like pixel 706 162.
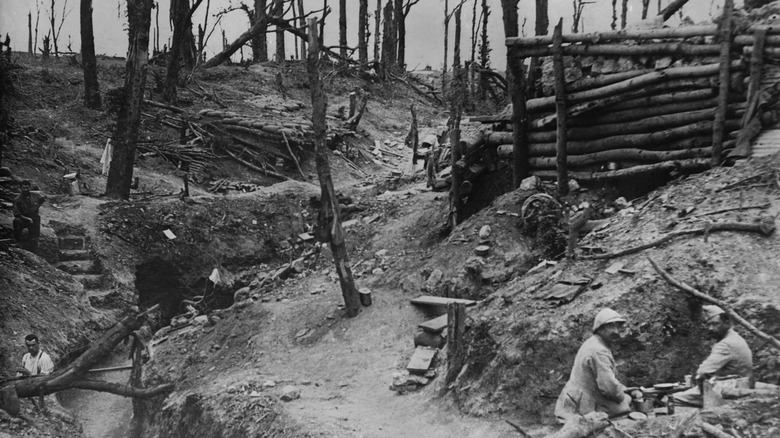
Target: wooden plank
pixel 435 325
pixel 427 300
pixel 421 360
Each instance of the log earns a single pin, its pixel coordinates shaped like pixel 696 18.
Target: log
pixel 578 426
pixel 73 375
pixel 589 82
pixel 255 168
pixel 645 80
pixel 619 35
pixel 651 49
pixel 709 429
pixel 652 140
pixel 718 129
pixel 561 133
pixel 671 8
pixel 766 227
pixel 621 155
pixel 639 113
pixel 505 151
pixel 651 124
pixel 692 164
pixel 751 125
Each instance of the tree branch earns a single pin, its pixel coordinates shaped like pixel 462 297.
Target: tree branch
pixel 120 389
pixel 702 296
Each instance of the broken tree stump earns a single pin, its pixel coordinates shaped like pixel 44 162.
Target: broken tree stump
pixel 456 325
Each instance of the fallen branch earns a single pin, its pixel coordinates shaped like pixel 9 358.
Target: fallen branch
pixel 724 210
pixel 734 393
pixel 165 106
pixel 732 314
pixel 289 149
pixel 416 89
pixel 253 167
pixel 765 227
pixel 714 431
pixel 72 376
pixel 518 428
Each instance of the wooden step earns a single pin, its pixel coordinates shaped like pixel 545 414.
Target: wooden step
pixel 91 281
pixel 72 242
pixel 427 300
pixel 435 325
pixel 75 267
pixel 75 254
pixel 421 360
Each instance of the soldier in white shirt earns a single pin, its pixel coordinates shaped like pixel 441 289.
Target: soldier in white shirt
pixel 35 362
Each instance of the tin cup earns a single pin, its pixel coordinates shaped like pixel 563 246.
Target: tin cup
pixel 689 381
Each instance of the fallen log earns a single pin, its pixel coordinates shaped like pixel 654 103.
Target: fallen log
pixel 621 155
pixel 765 227
pixel 645 80
pixel 692 164
pixel 505 151
pixel 73 375
pixel 651 49
pixel 618 35
pixel 255 168
pixel 589 82
pixel 709 429
pixel 650 110
pixel 650 124
pixel 653 140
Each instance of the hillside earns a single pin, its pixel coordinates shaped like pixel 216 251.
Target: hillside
pixel 261 336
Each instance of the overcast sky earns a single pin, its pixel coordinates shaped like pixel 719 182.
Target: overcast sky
pixel 425 24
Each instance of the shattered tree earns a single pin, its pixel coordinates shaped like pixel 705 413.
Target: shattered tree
pixel 329 221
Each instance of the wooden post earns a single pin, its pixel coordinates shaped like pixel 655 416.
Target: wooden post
pixel 724 78
pixel 514 63
pixel 352 104
pixel 136 375
pixel 456 324
pixel 329 213
pixel 756 70
pixel 560 109
pixel 29 35
pixel 413 137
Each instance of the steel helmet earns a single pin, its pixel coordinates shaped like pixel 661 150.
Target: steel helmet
pixel 711 311
pixel 606 316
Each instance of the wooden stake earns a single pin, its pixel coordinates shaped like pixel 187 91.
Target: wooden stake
pixel 413 138
pixel 732 314
pixel 560 110
pixel 718 130
pixel 456 324
pixel 289 149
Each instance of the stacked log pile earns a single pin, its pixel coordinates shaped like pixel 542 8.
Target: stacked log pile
pixel 636 101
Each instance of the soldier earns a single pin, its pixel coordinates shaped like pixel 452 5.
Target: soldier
pixel 27 221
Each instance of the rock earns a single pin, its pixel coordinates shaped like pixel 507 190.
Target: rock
pixel 5 172
pixel 48 245
pixel 297 266
pixel 621 203
pixel 404 382
pixel 377 271
pixel 269 384
pixel 573 185
pixel 530 183
pixel 425 339
pixel 434 279
pixel 241 294
pixel 290 393
pixel 484 232
pixel 381 253
pixel 200 320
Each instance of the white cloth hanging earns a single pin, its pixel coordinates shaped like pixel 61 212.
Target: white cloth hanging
pixel 108 153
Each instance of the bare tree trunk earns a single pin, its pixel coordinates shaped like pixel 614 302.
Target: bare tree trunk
pixel 362 27
pixel 260 40
pixel 54 35
pixel 29 35
pixel 671 8
pixel 302 24
pixel 400 34
pixel 723 92
pixel 388 39
pixel 329 213
pixel 517 91
pixel 377 21
pixel 343 28
pixel 624 14
pixel 120 174
pixel 182 26
pixel 613 25
pixel 484 52
pixel 560 109
pixel 645 8
pixel 456 202
pixel 446 43
pixel 280 50
pixel 91 86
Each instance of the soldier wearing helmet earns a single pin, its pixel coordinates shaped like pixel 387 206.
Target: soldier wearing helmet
pixel 593 385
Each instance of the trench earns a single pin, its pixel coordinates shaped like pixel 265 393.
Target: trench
pixel 100 414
